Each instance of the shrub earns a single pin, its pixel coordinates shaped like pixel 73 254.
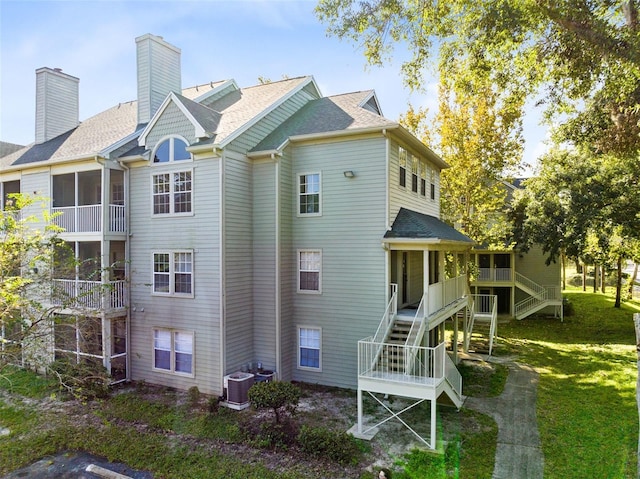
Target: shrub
pixel 339 446
pixel 193 395
pixel 84 380
pixel 279 396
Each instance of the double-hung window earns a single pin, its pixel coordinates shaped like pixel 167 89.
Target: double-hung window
pixel 173 351
pixel 423 178
pixel 309 194
pixel 402 159
pixel 171 190
pixel 310 271
pixel 309 348
pixel 173 273
pixel 414 173
pixel 433 183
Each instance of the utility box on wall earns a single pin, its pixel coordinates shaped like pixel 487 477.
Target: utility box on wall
pixel 237 387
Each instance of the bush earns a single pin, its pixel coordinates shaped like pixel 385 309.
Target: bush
pixel 84 380
pixel 279 396
pixel 339 446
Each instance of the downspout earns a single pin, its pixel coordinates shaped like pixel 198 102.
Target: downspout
pixel 222 292
pixel 278 306
pixel 106 331
pixel 387 256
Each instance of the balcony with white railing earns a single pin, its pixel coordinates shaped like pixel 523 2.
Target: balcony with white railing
pixel 403 370
pixel 94 295
pixel 88 218
pixel 444 294
pixel 495 275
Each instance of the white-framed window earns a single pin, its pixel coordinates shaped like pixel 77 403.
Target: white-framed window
pixel 415 165
pixel 309 194
pixel 173 273
pixel 432 177
pixel 310 271
pixel 172 192
pixel 173 351
pixel 310 348
pixel 423 178
pixel 402 160
pixel 170 150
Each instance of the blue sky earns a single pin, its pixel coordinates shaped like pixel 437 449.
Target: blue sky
pixel 244 40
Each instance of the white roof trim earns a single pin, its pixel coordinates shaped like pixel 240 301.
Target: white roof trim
pixel 375 98
pixel 266 111
pixel 217 89
pixel 199 132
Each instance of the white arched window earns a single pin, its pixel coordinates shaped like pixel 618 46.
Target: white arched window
pixel 171 149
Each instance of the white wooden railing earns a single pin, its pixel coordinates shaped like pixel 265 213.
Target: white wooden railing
pixel 88 218
pixel 546 293
pixel 445 293
pixel 389 315
pixel 494 274
pixel 89 294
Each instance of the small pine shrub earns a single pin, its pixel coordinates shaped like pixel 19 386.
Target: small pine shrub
pixel 193 394
pixel 280 396
pixel 338 446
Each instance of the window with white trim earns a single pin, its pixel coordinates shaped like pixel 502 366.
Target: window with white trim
pixel 171 149
pixel 173 273
pixel 173 351
pixel 414 173
pixel 402 160
pixel 433 183
pixel 172 192
pixel 309 195
pixel 309 271
pixel 423 178
pixel 309 348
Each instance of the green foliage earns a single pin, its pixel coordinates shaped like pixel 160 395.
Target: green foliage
pixel 84 380
pixel 280 396
pixel 338 446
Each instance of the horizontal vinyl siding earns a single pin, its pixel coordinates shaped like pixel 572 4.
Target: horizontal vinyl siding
pixel 200 314
pixel 532 265
pixel 404 196
pixel 270 122
pixel 349 233
pixel 264 266
pixel 36 185
pixel 238 259
pixel 287 268
pixel 172 122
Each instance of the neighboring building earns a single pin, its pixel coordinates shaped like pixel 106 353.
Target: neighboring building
pixel 522 282
pixel 7 148
pixel 233 226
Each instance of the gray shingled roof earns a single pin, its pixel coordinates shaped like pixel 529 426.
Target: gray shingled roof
pixel 91 136
pixel 412 225
pixel 324 115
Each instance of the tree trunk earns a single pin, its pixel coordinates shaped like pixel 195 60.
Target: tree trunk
pixel 618 284
pixel 564 271
pixel 596 275
pixel 636 322
pixel 603 280
pixel 632 280
pixel 584 277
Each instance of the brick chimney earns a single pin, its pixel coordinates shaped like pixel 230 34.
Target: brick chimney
pixel 158 74
pixel 57 104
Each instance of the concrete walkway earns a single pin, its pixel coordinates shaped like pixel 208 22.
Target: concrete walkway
pixel 518 453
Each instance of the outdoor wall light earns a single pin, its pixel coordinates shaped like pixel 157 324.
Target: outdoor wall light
pixel 349 174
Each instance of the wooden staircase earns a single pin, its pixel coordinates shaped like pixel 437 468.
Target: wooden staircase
pixel 393 358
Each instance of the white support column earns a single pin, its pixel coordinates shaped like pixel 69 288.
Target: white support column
pixel 433 424
pixel 359 411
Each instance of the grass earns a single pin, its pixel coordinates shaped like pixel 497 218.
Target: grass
pixel 586 405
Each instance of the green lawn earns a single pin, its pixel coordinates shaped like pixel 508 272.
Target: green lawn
pixel 587 412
